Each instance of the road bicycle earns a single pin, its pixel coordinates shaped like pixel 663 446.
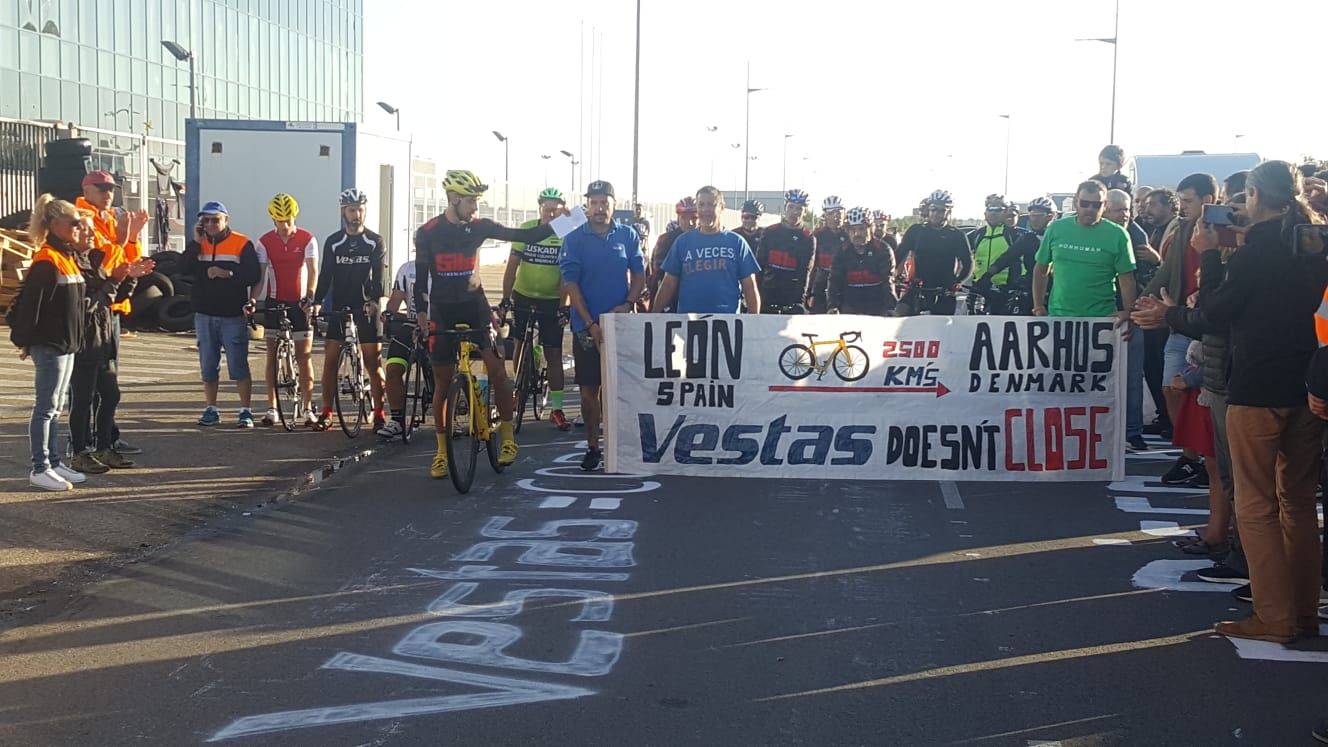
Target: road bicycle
pixel 290 402
pixel 471 414
pixel 418 384
pixel 354 396
pixel 849 362
pixel 531 370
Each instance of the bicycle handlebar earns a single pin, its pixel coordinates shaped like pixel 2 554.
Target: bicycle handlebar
pixel 850 336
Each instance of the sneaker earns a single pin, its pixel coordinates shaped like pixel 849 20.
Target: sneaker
pixel 579 422
pixel 71 476
pixel 1199 481
pixel 310 419
pixel 559 420
pixel 594 460
pixel 113 459
pixel 246 419
pixel 324 422
pixel 1243 593
pixel 1182 472
pixel 271 418
pixel 1136 445
pixel 124 447
pixel 391 429
pixel 210 416
pixel 438 469
pixel 86 463
pixel 379 424
pixel 49 480
pixel 1222 574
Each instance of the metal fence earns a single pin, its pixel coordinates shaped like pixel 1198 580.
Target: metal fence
pixel 20 157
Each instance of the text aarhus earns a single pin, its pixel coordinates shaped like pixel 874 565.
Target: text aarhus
pixel 1072 357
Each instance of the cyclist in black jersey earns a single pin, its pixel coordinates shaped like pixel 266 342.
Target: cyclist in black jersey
pixel 862 276
pixel 687 219
pixel 881 231
pixel 446 252
pixel 830 237
pixel 351 275
pixel 752 210
pixel 785 254
pixel 939 254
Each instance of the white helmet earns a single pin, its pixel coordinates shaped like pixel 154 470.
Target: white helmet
pixel 857 216
pixel 832 203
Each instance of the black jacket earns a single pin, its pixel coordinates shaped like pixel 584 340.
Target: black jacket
pixel 1194 324
pixel 225 296
pixel 50 304
pixel 1268 297
pixel 862 282
pixel 102 291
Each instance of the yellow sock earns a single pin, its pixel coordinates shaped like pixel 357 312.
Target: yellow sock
pixel 442 442
pixel 505 428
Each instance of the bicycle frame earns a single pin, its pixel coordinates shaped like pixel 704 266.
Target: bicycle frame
pixel 839 345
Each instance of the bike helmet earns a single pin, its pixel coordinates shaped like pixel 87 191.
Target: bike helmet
pixel 857 216
pixel 753 207
pixel 879 216
pixel 686 206
pixel 995 202
pixel 551 193
pixel 940 197
pixel 797 197
pixel 832 203
pixel 353 196
pixel 464 183
pixel 283 207
pixel 1041 203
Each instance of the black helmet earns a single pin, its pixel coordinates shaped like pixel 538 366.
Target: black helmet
pixel 753 207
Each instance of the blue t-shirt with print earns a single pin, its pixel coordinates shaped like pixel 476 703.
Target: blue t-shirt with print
pixel 710 268
pixel 599 266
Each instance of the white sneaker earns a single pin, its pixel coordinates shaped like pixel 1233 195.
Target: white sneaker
pixel 272 418
pixel 49 480
pixel 391 429
pixel 310 419
pixel 71 476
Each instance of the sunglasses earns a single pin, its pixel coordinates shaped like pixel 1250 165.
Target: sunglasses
pixel 1090 204
pixel 105 187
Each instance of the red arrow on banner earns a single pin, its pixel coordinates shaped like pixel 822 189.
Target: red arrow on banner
pixel 940 390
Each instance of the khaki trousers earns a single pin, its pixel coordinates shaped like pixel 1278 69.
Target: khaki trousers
pixel 1275 457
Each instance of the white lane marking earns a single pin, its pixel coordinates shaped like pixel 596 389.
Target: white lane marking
pixel 558 501
pixel 529 484
pixel 1111 541
pixel 605 504
pixel 1277 652
pixel 950 492
pixel 1164 529
pixel 1167 574
pixel 1139 505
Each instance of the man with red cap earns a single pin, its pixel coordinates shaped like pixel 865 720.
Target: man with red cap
pixel 120 245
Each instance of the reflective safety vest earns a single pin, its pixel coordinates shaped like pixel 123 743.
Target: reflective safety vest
pixel 1321 320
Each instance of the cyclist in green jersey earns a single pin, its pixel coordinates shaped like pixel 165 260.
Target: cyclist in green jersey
pixel 533 281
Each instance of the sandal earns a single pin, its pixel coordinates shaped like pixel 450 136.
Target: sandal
pixel 1202 547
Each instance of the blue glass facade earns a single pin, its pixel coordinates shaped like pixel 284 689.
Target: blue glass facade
pixel 100 63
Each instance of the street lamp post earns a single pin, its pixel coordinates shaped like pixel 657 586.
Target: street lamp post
pixel 735 147
pixel 391 110
pixel 1006 117
pixel 712 129
pixel 1115 48
pixel 783 180
pixel 184 55
pixel 574 162
pixel 507 162
pixel 546 168
pixel 636 109
pixel 747 138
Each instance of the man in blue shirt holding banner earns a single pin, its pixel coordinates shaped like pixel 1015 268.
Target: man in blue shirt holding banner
pixel 710 269
pixel 603 272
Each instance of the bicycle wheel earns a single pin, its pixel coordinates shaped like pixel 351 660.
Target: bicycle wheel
pixel 850 364
pixel 494 443
pixel 463 441
pixel 288 387
pixel 538 393
pixel 414 389
pixel 521 385
pixel 796 361
pixel 349 392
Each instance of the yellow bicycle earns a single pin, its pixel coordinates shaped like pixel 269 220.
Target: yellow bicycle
pixel 849 362
pixel 470 411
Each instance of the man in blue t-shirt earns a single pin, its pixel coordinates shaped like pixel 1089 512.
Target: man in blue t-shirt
pixel 603 272
pixel 708 268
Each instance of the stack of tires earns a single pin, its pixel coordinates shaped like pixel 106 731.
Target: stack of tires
pixel 67 161
pixel 162 298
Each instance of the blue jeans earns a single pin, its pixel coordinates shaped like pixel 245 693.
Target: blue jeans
pixel 217 333
pixel 53 371
pixel 1134 385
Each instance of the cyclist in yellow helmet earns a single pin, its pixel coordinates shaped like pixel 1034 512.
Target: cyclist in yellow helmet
pixel 288 256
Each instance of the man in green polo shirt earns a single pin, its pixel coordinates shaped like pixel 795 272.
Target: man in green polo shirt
pixel 534 281
pixel 1091 257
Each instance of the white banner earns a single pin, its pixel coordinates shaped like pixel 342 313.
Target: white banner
pixel 865 398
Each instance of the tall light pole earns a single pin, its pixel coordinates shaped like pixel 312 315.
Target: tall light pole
pixel 574 162
pixel 546 168
pixel 783 180
pixel 746 173
pixel 391 110
pixel 712 129
pixel 736 146
pixel 184 55
pixel 636 109
pixel 1115 48
pixel 507 162
pixel 1006 117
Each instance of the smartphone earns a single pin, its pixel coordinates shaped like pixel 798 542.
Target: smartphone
pixel 1219 215
pixel 1311 240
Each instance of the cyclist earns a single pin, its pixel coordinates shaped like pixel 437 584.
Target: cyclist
pixel 532 279
pixel 400 345
pixel 289 259
pixel 352 277
pixel 446 253
pixel 830 237
pixel 881 230
pixel 785 255
pixel 939 255
pixel 641 223
pixel 686 209
pixel 1017 263
pixel 991 241
pixel 752 210
pixel 862 276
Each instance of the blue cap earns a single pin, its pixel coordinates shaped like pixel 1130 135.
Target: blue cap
pixel 213 208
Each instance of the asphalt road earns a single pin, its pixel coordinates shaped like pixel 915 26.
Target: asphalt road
pixel 549 607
